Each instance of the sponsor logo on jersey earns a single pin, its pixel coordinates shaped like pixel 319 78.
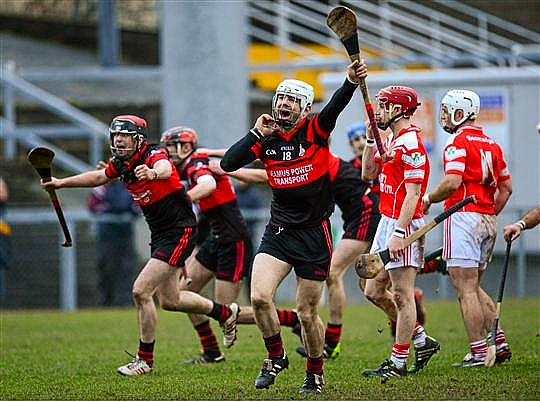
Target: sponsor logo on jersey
pixel 284 177
pixel 142 198
pixel 385 188
pixel 487 140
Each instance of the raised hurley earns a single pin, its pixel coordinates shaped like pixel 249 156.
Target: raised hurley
pixel 342 21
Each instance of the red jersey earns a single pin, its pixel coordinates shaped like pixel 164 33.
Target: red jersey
pixel 297 163
pixel 298 168
pixel 220 207
pixel 163 202
pixel 479 160
pixel 197 167
pixel 409 164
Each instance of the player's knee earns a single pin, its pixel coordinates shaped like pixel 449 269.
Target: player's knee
pixel 333 279
pixel 399 300
pixel 140 296
pixel 307 313
pixel 373 294
pixel 260 301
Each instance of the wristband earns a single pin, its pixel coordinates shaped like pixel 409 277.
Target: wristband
pixel 155 174
pixel 426 199
pixel 370 142
pixel 255 131
pixel 521 223
pixel 398 232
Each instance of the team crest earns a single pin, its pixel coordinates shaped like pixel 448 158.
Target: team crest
pixel 450 152
pixel 416 159
pixel 302 151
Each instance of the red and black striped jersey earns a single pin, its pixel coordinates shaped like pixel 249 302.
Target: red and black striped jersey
pixel 297 164
pixel 163 202
pixel 298 172
pixel 220 207
pixel 347 188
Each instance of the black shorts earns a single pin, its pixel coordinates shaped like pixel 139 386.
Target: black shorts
pixel 174 247
pixel 361 223
pixel 229 261
pixel 309 251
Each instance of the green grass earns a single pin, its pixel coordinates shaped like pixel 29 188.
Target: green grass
pixel 50 355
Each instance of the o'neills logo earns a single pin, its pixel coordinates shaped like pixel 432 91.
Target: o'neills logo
pixel 284 177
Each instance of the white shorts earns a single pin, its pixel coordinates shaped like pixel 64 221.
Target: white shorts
pixel 413 256
pixel 469 238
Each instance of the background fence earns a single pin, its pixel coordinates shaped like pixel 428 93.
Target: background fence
pixel 49 276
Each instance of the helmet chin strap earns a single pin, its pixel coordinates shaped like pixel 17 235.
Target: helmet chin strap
pixel 293 119
pixel 284 124
pixel 138 145
pixel 456 127
pixel 384 126
pixel 182 158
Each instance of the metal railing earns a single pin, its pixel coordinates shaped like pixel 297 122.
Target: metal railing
pixel 398 33
pixel 82 124
pixel 401 32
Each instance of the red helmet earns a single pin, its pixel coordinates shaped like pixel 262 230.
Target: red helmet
pixel 181 135
pixel 399 95
pixel 127 124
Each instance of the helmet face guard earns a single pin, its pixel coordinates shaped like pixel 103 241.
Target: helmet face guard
pixel 177 136
pixel 460 99
pixel 392 97
pixel 285 114
pixel 127 125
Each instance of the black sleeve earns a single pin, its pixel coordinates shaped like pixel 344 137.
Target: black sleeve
pixel 341 98
pixel 240 153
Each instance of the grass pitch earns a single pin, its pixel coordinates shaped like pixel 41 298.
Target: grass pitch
pixel 51 355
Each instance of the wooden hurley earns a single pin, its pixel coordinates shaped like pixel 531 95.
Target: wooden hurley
pixel 342 21
pixel 41 160
pixel 369 265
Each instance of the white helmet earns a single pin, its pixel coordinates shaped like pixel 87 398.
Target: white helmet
pixel 301 91
pixel 463 99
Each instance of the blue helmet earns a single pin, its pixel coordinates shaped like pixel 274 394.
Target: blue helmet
pixel 356 130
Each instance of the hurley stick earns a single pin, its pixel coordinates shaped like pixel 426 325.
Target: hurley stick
pixel 492 349
pixel 41 159
pixel 342 21
pixel 369 265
